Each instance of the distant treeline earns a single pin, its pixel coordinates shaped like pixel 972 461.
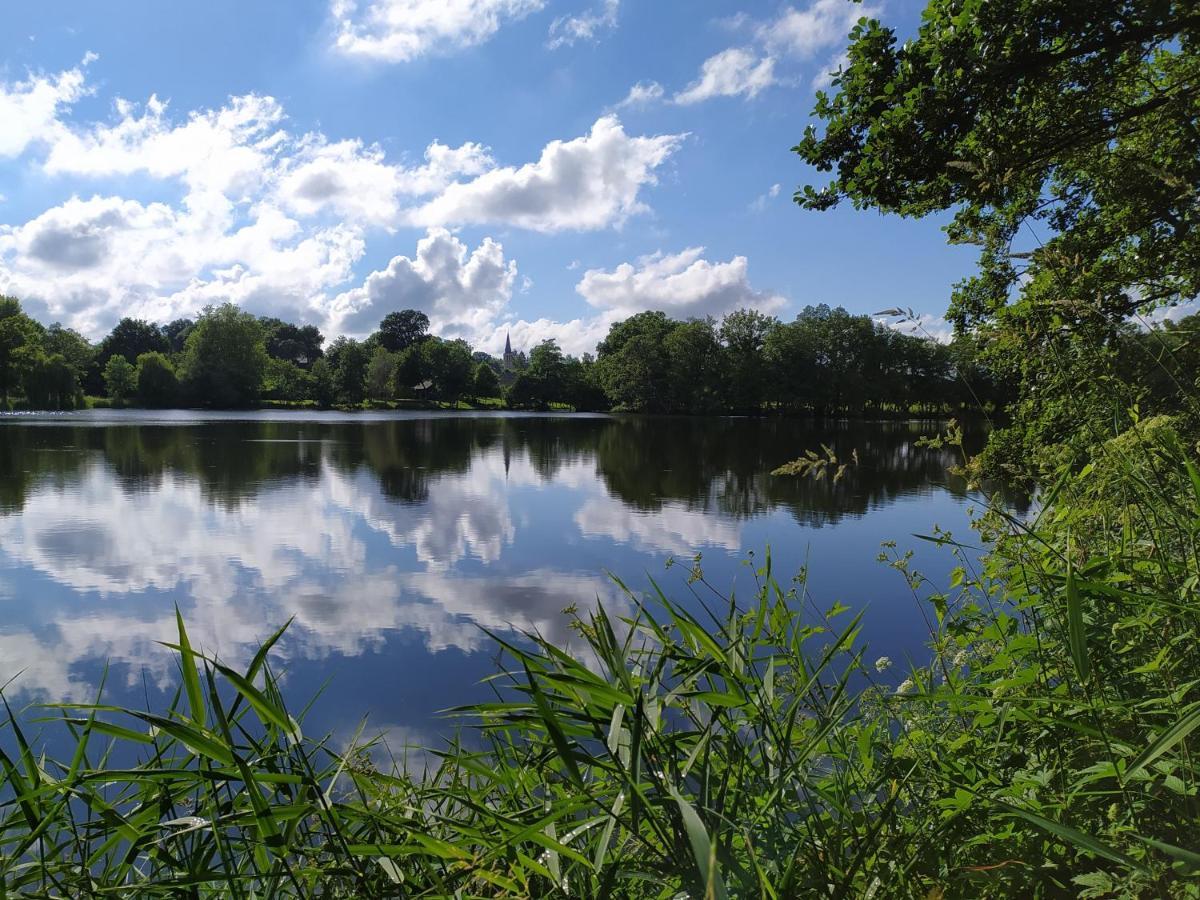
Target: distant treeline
pixel 825 361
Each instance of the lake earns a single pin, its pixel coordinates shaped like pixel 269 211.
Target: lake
pixel 392 540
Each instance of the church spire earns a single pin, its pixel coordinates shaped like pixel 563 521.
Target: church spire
pixel 507 345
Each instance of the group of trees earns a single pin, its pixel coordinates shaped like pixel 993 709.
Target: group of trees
pixel 230 358
pixel 824 361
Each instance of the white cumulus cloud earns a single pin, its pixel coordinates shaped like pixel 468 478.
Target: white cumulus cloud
pixel 461 292
pixel 682 284
pixel 402 30
pixel 29 109
pixel 586 183
pixel 235 206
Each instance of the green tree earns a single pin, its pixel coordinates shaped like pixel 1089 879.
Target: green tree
pixel 349 359
pixel 381 374
pixel 634 367
pixel 401 330
pixel 486 383
pixel 299 345
pixel 410 371
pixel 74 347
pixel 176 333
pixel 224 360
pixel 131 338
pixel 324 383
pixel 120 378
pixel 694 361
pixel 20 341
pixel 51 382
pixel 448 364
pixel 1062 136
pixel 743 333
pixel 157 384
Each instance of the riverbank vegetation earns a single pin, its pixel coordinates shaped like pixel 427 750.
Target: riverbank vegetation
pixel 712 746
pixel 826 361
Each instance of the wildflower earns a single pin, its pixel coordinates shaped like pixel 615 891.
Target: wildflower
pixel 883 664
pixel 906 686
pixel 960 658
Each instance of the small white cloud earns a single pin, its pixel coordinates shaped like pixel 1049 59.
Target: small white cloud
pixel 642 94
pixel 566 30
pixel 733 72
pixel 806 32
pixel 760 202
pixel 402 30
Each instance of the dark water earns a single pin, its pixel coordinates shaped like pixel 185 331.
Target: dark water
pixel 391 538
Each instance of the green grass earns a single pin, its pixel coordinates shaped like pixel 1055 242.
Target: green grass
pixel 711 747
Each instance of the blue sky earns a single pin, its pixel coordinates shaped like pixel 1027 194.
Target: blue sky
pixel 532 166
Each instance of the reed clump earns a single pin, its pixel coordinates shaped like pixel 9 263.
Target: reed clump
pixel 705 746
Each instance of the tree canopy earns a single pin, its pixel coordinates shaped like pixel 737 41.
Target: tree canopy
pixel 224 360
pixel 1061 135
pixel 400 330
pixel 1066 126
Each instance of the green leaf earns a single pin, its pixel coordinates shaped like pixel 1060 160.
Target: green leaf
pixel 702 849
pixel 1076 632
pixel 191 678
pixel 555 730
pixel 1190 858
pixel 1071 835
pixel 1165 741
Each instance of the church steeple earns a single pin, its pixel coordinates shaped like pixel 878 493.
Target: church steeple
pixel 510 358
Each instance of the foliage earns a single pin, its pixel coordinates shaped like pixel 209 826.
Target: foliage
pixel 448 366
pixel 287 382
pixel 18 335
pixel 224 362
pixel 1061 133
pixel 176 333
pixel 157 384
pixel 410 371
pixel 120 378
pixel 486 383
pixel 50 382
pixel 130 338
pixel 324 383
pixel 381 374
pixel 401 330
pixel 296 344
pixel 348 359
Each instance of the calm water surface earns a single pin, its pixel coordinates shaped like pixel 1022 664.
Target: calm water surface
pixel 391 538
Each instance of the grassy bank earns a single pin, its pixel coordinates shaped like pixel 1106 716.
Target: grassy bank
pixel 704 747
